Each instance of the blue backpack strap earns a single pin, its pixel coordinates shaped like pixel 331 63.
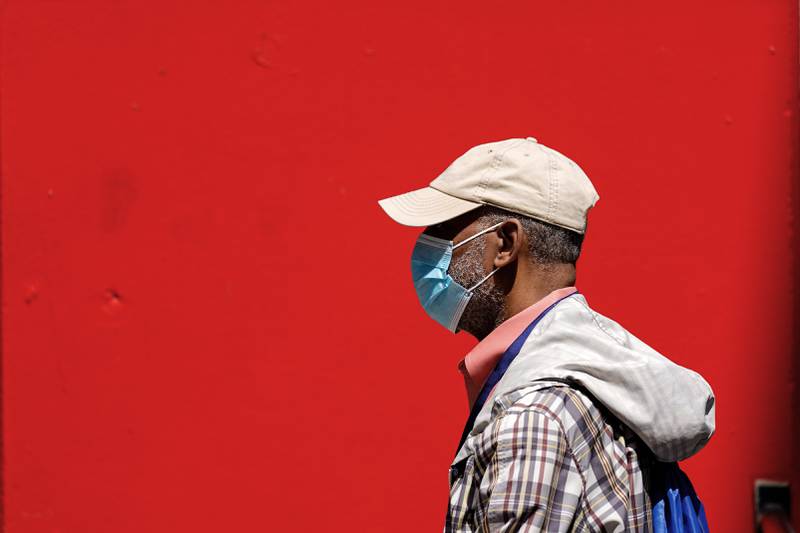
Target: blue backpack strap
pixel 676 507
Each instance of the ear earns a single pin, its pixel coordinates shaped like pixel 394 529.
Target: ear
pixel 510 240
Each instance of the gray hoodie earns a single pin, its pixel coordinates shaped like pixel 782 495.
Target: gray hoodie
pixel 670 408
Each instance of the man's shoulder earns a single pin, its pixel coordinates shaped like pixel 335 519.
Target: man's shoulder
pixel 556 399
pixel 566 411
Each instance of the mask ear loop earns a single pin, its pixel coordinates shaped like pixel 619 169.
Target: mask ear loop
pixel 490 228
pixel 481 232
pixel 484 279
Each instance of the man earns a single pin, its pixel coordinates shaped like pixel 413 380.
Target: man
pixel 570 412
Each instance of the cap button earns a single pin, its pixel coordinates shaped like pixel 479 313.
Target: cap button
pixel 533 139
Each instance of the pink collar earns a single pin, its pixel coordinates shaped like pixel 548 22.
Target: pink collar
pixel 481 360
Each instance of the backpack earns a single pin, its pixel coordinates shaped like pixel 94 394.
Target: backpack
pixel 676 507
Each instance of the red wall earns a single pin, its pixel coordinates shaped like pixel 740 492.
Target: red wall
pixel 208 322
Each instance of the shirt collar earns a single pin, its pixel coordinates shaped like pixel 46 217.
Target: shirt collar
pixel 479 362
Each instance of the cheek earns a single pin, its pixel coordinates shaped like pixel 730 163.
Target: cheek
pixel 492 253
pixel 467 264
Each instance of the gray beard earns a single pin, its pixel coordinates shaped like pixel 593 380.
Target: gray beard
pixel 486 308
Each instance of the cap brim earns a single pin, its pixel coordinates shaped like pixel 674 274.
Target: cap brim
pixel 425 207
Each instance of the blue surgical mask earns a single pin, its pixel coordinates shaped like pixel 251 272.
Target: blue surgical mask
pixel 440 295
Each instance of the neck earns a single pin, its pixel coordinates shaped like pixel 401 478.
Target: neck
pixel 532 286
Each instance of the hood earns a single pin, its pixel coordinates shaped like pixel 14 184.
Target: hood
pixel 670 408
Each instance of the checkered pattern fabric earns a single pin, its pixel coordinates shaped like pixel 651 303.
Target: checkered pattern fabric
pixel 551 460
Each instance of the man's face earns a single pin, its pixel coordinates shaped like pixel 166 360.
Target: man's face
pixel 470 264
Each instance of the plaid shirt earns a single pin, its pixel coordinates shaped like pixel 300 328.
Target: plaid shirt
pixel 550 460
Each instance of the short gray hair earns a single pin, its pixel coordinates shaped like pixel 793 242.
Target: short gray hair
pixel 547 243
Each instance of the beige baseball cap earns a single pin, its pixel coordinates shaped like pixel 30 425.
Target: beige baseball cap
pixel 519 175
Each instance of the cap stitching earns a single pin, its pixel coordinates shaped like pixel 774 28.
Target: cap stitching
pixel 421 208
pixel 548 212
pixel 478 192
pixel 496 161
pixel 554 184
